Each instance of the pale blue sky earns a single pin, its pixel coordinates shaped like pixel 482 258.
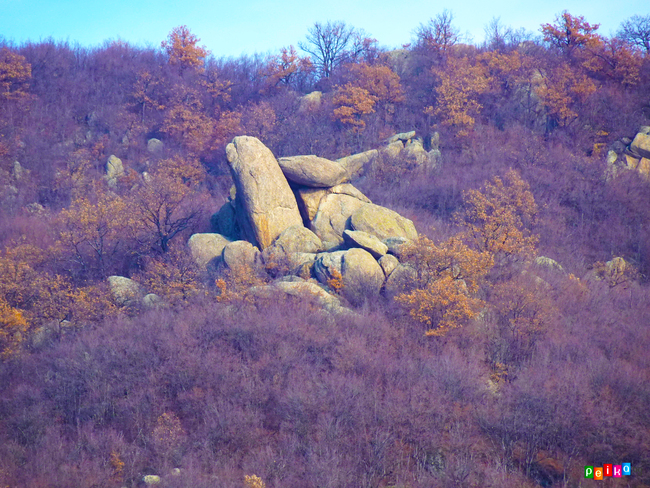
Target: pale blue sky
pixel 249 26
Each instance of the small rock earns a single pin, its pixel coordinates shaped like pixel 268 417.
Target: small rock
pixel 155 146
pixel 548 263
pixel 397 245
pixel 388 263
pixel 126 292
pixel 152 300
pixel 151 479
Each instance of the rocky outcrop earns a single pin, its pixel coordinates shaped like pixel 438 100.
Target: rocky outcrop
pixel 294 224
pixel 312 171
pixel 631 155
pixel 265 204
pixel 382 222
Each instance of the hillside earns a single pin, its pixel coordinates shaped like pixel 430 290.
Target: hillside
pixel 354 268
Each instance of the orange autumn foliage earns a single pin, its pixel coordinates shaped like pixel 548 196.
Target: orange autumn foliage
pixel 460 85
pixel 498 217
pixel 15 75
pixel 447 279
pixel 183 51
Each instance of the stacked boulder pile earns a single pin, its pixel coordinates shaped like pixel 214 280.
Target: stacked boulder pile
pixel 630 154
pixel 304 212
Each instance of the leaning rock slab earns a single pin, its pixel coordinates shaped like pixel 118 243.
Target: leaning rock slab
pixel 402 136
pixel 263 193
pixel 358 238
pixel 312 171
pixel 355 164
pixel 362 276
pixel 382 222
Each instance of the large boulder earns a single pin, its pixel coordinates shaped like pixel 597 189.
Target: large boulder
pixel 362 276
pixel 333 216
pixel 382 222
pixel 298 289
pixel 355 164
pixel 207 248
pixel 311 101
pixel 358 238
pixel 240 257
pixel 312 171
pixel 641 143
pixel 265 204
pixel 114 170
pixel 309 198
pixel 125 291
pixel 298 239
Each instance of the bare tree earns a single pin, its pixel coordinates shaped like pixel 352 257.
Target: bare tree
pixel 438 34
pixel 328 45
pixel 636 30
pixel 497 35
